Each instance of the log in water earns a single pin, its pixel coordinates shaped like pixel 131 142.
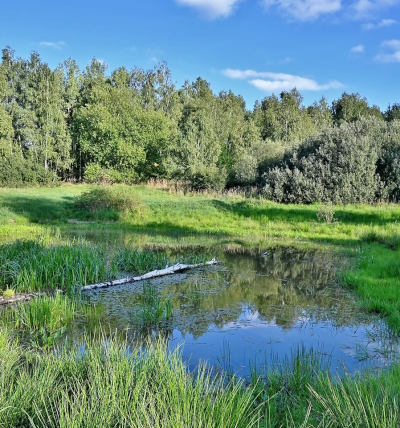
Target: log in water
pixel 179 267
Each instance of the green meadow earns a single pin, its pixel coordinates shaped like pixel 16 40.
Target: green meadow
pixel 60 238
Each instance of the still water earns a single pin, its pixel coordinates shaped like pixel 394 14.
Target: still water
pixel 253 310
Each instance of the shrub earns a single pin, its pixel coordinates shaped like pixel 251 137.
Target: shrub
pixel 210 178
pixel 115 198
pixel 246 170
pixel 16 171
pixel 326 214
pixel 94 173
pixel 339 166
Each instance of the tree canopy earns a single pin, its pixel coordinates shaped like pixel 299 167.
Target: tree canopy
pixel 134 125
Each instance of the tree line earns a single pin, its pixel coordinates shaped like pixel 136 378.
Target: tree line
pixel 134 125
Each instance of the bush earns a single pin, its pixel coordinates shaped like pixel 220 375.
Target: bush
pixel 338 166
pixel 16 171
pixel 326 214
pixel 210 178
pixel 109 198
pixel 246 170
pixel 94 173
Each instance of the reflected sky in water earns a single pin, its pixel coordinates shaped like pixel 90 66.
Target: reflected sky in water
pixel 251 310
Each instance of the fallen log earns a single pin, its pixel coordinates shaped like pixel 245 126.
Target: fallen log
pixel 179 267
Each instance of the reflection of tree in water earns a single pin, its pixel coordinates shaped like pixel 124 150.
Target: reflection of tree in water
pixel 281 287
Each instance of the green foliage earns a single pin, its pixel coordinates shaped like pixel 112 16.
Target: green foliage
pixel 9 292
pixel 94 173
pixel 326 213
pixel 101 200
pixel 136 261
pixel 30 266
pixel 104 385
pixel 50 313
pixel 134 125
pixel 16 171
pixel 353 107
pixel 6 133
pixel 337 166
pixel 108 386
pixel 376 279
pixel 393 112
pixel 285 119
pixel 139 262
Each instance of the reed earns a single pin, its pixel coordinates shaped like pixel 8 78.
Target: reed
pixel 33 266
pixel 50 313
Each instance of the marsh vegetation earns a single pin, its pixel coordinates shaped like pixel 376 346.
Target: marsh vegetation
pixel 111 358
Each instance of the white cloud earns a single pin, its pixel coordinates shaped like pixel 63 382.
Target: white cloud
pixel 382 23
pixel 273 82
pixel 387 22
pixel 357 49
pixel 55 45
pixel 365 8
pixel 212 8
pixel 394 56
pixel 395 44
pixel 305 10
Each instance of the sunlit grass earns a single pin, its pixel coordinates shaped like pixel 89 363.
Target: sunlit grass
pixel 210 220
pixel 106 386
pixel 31 266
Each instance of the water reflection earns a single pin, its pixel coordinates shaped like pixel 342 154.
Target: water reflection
pixel 250 308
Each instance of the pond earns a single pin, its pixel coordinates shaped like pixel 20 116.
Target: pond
pixel 252 310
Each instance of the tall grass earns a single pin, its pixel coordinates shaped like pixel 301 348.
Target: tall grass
pixel 108 203
pixel 50 313
pixel 33 265
pixel 154 310
pixel 135 261
pixel 107 387
pixel 106 383
pixel 30 266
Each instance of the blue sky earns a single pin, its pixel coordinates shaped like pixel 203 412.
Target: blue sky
pixel 254 47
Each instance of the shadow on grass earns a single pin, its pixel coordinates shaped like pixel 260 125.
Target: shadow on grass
pixel 292 215
pixel 39 210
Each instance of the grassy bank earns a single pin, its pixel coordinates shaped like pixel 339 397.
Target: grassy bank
pixel 171 214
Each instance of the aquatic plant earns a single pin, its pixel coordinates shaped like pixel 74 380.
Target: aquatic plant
pixel 43 319
pixel 105 382
pixel 133 260
pixel 153 310
pixel 31 266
